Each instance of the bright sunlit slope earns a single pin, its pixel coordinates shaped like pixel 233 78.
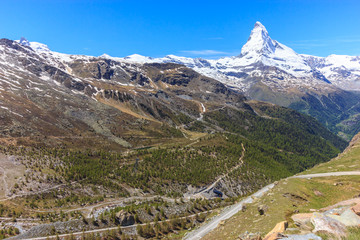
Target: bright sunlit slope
pixel 299 195
pixel 349 160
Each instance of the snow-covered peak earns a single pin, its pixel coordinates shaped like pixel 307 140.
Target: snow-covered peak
pixel 138 58
pixel 37 47
pixel 258 27
pixel 178 59
pixel 259 42
pixel 105 56
pixel 23 41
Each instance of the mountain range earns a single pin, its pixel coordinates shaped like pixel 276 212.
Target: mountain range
pixel 266 70
pixel 265 58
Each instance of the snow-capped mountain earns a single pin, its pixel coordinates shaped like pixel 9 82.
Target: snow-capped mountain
pixel 341 70
pixel 38 47
pixel 274 64
pixel 262 61
pixel 260 48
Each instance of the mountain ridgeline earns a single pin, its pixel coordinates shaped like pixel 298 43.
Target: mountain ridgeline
pixel 186 128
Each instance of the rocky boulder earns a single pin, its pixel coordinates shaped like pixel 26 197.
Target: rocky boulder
pixel 274 236
pixel 309 236
pixel 276 232
pixel 348 218
pixel 125 218
pixel 262 209
pixel 356 209
pixel 323 223
pixel 250 236
pixel 301 218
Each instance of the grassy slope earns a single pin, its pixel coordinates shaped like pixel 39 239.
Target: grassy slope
pixel 349 160
pixel 292 195
pixel 282 201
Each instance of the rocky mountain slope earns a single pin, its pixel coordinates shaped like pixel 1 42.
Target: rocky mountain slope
pixel 87 99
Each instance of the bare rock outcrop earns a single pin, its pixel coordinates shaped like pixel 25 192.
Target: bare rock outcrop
pixel 324 223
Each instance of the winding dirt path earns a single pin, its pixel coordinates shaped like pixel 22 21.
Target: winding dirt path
pixel 89 210
pixel 210 187
pixel 109 229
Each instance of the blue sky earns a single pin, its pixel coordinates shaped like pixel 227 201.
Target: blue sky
pixel 208 29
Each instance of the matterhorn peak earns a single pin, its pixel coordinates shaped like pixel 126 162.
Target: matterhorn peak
pixel 258 25
pixel 259 42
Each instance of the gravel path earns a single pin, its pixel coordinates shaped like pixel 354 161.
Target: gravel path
pixel 328 174
pixel 226 214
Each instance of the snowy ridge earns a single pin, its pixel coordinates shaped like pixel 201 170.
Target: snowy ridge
pixel 261 58
pixel 260 50
pixel 59 60
pixel 38 47
pixel 342 70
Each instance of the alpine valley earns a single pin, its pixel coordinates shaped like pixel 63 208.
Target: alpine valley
pixel 115 148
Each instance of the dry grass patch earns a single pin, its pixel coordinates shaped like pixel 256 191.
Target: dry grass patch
pixel 10 172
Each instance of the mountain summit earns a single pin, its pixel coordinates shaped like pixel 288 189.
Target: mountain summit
pixel 259 42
